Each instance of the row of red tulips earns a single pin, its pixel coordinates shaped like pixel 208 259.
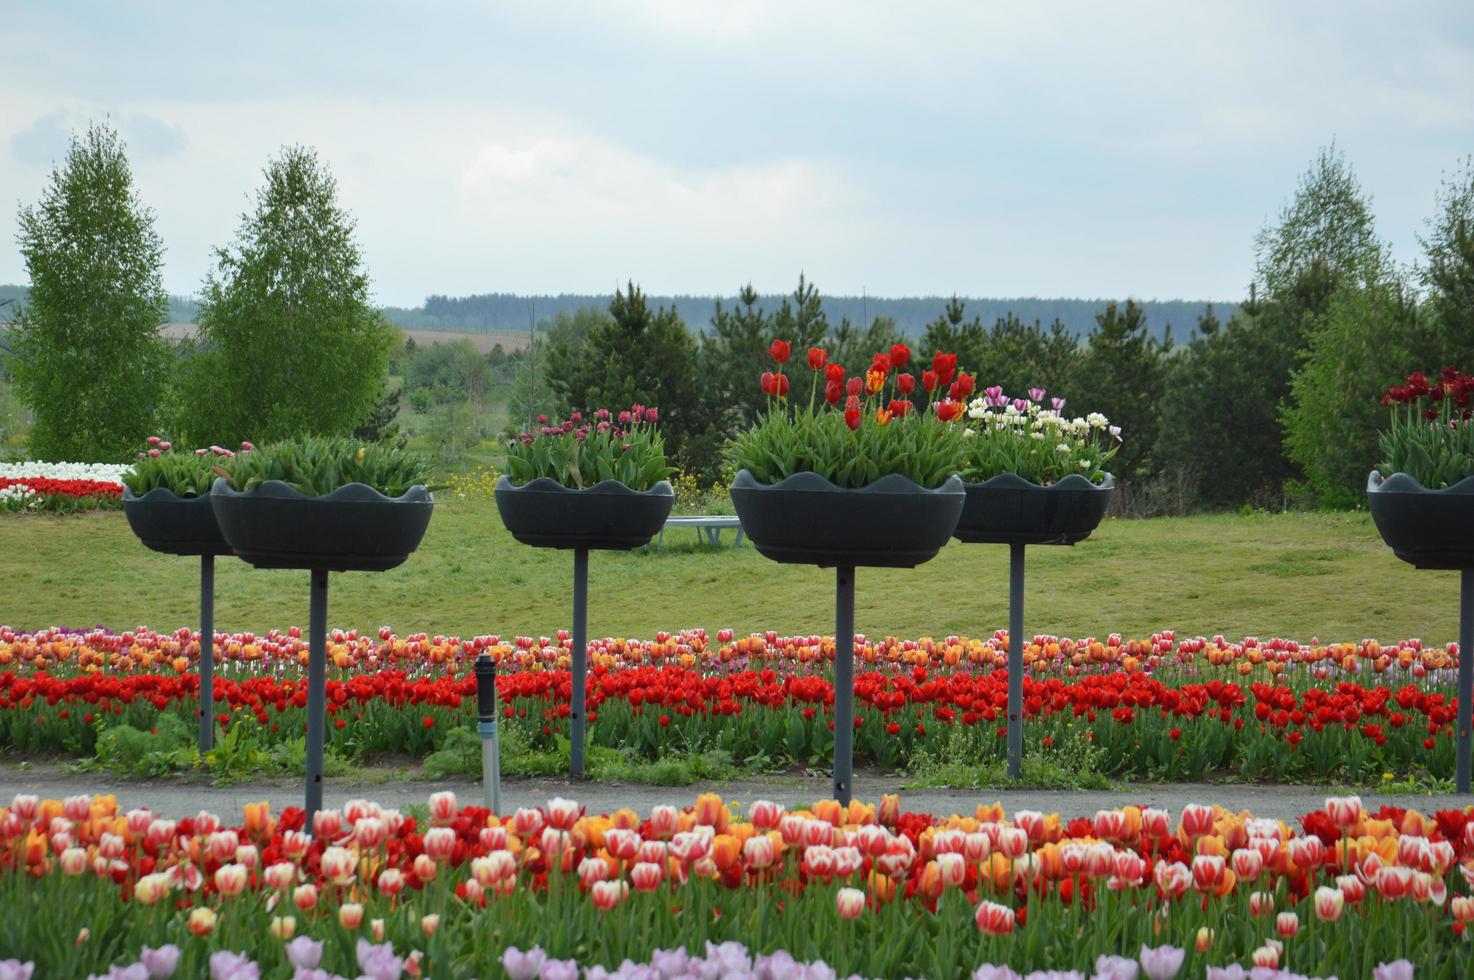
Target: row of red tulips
pixel 1167 724
pixel 864 888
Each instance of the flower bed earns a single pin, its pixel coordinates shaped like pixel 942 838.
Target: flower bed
pixel 1161 708
pixel 62 487
pixel 454 891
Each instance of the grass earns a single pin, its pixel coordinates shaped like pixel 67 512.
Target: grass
pixel 1299 575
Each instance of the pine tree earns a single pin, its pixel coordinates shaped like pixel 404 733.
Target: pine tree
pixel 1122 374
pixel 88 360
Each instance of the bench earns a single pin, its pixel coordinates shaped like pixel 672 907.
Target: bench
pixel 708 528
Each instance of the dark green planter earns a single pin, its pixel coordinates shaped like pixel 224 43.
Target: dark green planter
pixel 354 528
pixel 1008 509
pixel 1426 528
pixel 607 516
pixel 175 525
pixel 805 519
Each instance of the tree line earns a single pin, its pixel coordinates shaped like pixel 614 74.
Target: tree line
pixel 1269 402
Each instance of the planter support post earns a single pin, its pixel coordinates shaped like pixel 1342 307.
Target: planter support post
pixel 317 663
pixel 207 653
pixel 580 656
pixel 491 765
pixel 844 682
pixel 1466 674
pixel 1015 660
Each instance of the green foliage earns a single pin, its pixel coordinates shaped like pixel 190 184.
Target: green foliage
pixel 185 474
pixel 1013 354
pixel 635 355
pixel 531 391
pixel 1370 335
pixel 579 453
pixel 382 424
pixel 1449 273
pixel 316 465
pixel 917 446
pixel 453 430
pixel 1037 443
pixel 88 360
pixel 1430 435
pixel 1123 375
pixel 288 343
pixel 1329 221
pixel 168 748
pixel 451 372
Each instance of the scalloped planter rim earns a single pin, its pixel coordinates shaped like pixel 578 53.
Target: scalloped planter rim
pixel 806 519
pixel 607 516
pixel 1425 528
pixel 353 528
pixel 1008 509
pixel 174 525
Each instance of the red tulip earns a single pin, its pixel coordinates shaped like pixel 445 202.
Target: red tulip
pixel 900 354
pixel 905 383
pixel 995 919
pixel 852 418
pixel 929 380
pixel 817 357
pixel 778 350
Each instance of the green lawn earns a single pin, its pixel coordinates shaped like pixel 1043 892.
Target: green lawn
pixel 1297 575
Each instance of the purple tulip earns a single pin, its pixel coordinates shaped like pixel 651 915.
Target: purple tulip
pixel 226 965
pixel 523 966
pixel 161 962
pixel 1036 394
pixel 304 952
pixel 1162 962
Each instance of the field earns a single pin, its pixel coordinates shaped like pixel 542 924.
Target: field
pixel 1297 575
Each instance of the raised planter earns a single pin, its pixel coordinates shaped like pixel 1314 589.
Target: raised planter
pixel 354 528
pixel 1426 528
pixel 607 516
pixel 806 519
pixel 1007 509
pixel 174 525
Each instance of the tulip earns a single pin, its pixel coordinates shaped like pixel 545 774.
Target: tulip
pixel 1265 957
pixel 152 887
pixel 1204 939
pixel 849 903
pixel 429 923
pixel 202 920
pixel 304 896
pixel 1287 924
pixel 425 867
pixel 765 814
pixel 1344 811
pixel 664 821
pixel 646 876
pixel 1328 903
pixel 1261 903
pixel 1461 907
pixel 161 962
pixel 779 350
pixel 817 357
pixel 758 852
pixel 73 861
pixel 376 929
pixel 391 881
pixel 338 865
pixel 304 953
pixel 439 843
pixel 995 919
pixel 563 814
pixel 1197 820
pixel 283 927
pixel 350 915
pixel 1396 970
pixel 953 869
pixel 1156 823
pixel 607 894
pixel 443 808
pixel 230 879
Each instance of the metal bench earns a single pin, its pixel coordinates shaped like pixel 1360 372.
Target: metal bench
pixel 707 528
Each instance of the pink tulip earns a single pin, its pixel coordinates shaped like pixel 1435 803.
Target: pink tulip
pixel 849 903
pixel 440 843
pixel 646 877
pixel 1328 903
pixel 995 919
pixel 1344 811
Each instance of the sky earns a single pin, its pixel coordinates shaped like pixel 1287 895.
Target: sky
pixel 983 148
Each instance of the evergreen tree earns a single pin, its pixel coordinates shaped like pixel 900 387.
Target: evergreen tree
pixel 1122 374
pixel 801 320
pixel 636 355
pixel 1449 272
pixel 734 353
pixel 88 360
pixel 289 343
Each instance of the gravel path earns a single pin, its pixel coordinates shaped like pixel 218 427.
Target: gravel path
pixel 179 797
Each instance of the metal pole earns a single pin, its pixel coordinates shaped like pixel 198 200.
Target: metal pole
pixel 1466 674
pixel 207 653
pixel 1015 660
pixel 317 665
pixel 844 682
pixel 491 766
pixel 580 655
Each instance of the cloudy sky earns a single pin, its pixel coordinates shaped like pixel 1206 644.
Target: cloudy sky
pixel 984 148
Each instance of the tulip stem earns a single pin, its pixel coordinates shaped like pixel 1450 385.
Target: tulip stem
pixel 1015 660
pixel 844 682
pixel 1466 675
pixel 207 653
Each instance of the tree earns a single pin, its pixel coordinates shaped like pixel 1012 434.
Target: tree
pixel 636 355
pixel 1122 375
pixel 289 343
pixel 88 360
pixel 1328 221
pixel 1449 272
pixel 801 320
pixel 734 353
pixel 532 391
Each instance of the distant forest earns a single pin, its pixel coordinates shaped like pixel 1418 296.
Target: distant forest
pixel 511 311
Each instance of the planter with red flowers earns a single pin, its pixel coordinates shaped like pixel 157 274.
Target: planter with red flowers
pixel 856 475
pixel 1034 476
pixel 586 484
pixel 1422 501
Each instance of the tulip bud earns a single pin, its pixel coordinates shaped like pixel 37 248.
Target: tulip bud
pixel 202 920
pixel 283 927
pixel 350 915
